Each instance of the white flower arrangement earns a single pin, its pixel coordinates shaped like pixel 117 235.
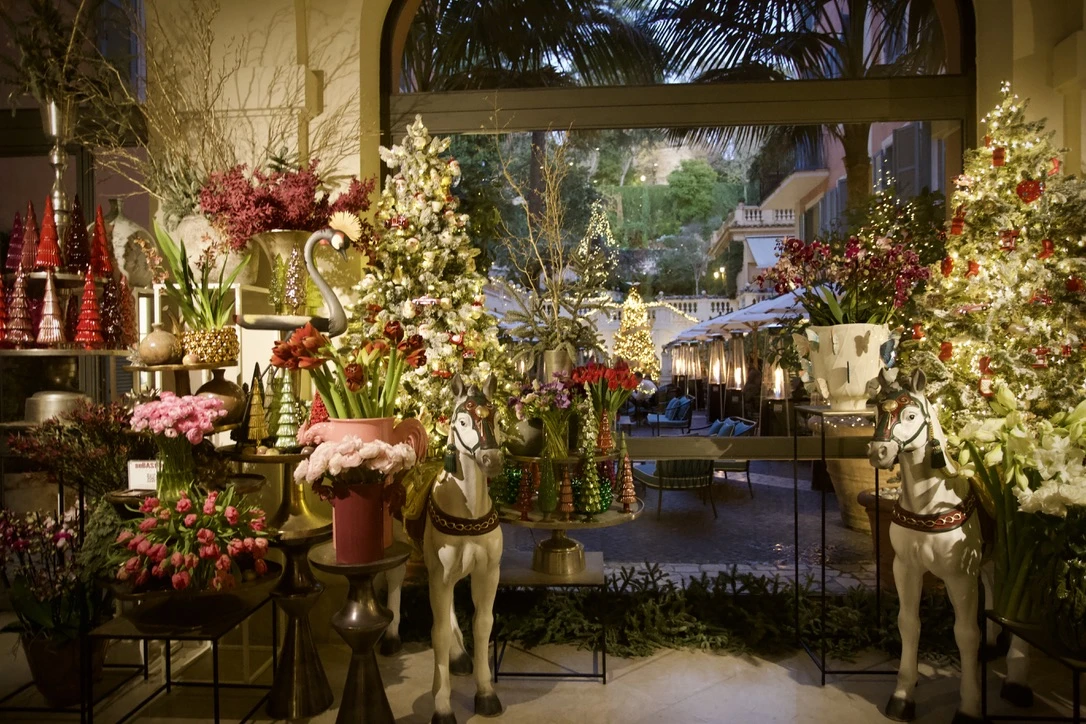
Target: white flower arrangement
pixel 351 461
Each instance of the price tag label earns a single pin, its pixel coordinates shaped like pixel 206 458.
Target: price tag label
pixel 142 474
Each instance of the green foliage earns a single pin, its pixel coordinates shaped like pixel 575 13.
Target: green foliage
pixel 204 304
pixel 733 612
pixel 691 190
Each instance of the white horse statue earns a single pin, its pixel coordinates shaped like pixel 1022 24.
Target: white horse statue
pixel 933 528
pixel 463 538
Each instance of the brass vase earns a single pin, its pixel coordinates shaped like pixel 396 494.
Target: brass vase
pixel 212 346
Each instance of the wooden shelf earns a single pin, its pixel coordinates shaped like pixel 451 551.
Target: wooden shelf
pixel 181 368
pixel 57 352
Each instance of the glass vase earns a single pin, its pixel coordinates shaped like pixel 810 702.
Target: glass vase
pixel 556 434
pixel 176 466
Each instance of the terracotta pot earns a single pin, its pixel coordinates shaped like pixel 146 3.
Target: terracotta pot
pixel 850 477
pixel 160 347
pixel 361 522
pixel 886 549
pixel 55 667
pixel 230 394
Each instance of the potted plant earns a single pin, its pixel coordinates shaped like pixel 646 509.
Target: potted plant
pixel 47 582
pixel 608 388
pixel 350 472
pixel 551 402
pixel 177 424
pixel 279 207
pixel 850 290
pixel 359 385
pixel 204 298
pixel 183 556
pixel 1028 471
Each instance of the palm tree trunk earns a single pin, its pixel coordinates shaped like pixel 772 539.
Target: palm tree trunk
pixel 535 173
pixel 854 139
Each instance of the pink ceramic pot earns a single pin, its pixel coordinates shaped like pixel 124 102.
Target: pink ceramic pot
pixel 361 522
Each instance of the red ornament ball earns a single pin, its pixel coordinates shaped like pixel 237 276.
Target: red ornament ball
pixel 974 269
pixel 1075 285
pixel 1029 190
pixel 947 266
pixel 946 351
pixel 1048 249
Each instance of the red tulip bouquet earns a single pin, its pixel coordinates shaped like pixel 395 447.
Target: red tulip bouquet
pixel 198 541
pixel 607 387
pixel 358 381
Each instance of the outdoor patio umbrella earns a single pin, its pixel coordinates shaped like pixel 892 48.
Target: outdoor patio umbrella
pixel 766 313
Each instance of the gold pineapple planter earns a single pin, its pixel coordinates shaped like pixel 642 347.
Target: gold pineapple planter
pixel 212 346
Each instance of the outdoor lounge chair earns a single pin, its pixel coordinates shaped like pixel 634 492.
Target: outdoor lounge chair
pixel 678 415
pixel 678 475
pixel 735 427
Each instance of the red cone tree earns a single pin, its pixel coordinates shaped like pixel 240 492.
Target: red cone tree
pixel 19 324
pixel 101 257
pixel 76 242
pixel 29 252
pixel 3 312
pixel 317 411
pixel 89 329
pixel 71 316
pixel 51 327
pixel 15 245
pixel 48 256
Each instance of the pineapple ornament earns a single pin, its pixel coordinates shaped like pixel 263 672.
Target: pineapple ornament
pixel 50 328
pixel 19 322
pixel 88 331
pixel 15 245
pixel 48 253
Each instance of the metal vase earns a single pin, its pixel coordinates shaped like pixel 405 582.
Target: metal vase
pixel 555 361
pixel 57 121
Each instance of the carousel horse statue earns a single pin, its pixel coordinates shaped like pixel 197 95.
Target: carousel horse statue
pixel 462 538
pixel 933 528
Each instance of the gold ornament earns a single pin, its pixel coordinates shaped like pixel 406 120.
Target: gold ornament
pixel 212 346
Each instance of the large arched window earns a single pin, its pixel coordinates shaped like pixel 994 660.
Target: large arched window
pixel 518 65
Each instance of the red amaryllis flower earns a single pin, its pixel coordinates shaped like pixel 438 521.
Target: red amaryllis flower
pixel 415 358
pixel 371 313
pixel 394 331
pixel 301 350
pixel 355 375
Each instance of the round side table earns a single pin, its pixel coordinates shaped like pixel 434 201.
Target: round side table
pixel 361 622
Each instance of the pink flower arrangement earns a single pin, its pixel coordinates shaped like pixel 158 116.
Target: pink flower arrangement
pixel 862 280
pixel 213 549
pixel 241 203
pixel 190 416
pixel 334 466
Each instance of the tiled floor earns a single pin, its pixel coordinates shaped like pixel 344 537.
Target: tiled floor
pixel 672 687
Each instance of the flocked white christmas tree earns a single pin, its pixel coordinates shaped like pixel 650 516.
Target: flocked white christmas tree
pixel 424 275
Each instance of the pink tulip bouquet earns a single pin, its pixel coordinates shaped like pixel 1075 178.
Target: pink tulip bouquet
pixel 335 466
pixel 197 541
pixel 177 423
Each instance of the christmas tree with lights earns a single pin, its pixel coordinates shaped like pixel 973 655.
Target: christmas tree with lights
pixel 1006 305
pixel 424 276
pixel 633 340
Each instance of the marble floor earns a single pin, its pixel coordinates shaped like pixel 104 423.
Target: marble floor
pixel 671 687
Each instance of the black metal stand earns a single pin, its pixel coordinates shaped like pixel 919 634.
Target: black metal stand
pixel 819 658
pixel 122 627
pixel 361 622
pixel 1038 638
pixel 517 572
pixel 135 669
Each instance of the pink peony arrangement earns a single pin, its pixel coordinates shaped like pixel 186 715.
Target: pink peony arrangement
pixel 190 416
pixel 333 466
pixel 202 542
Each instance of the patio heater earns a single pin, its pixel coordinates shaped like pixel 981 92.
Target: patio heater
pixel 718 375
pixel 776 399
pixel 737 377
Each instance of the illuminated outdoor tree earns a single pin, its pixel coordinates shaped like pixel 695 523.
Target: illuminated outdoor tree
pixel 633 340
